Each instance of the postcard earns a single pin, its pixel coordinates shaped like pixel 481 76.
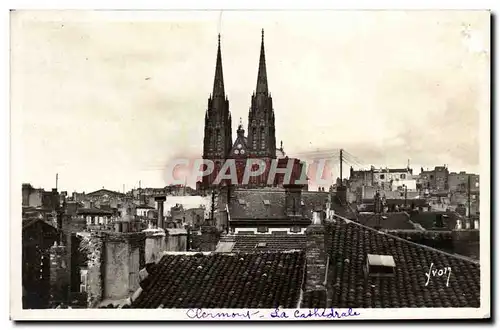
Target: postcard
pixel 250 165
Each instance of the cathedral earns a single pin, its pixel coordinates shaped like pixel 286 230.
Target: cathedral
pixel 258 142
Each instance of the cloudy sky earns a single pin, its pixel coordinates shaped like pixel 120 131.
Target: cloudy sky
pixel 110 98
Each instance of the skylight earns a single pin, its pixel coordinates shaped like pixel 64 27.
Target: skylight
pixel 380 265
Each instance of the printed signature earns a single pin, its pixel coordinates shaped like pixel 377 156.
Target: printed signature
pixel 326 313
pixel 438 272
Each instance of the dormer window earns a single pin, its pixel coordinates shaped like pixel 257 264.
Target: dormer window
pixel 261 245
pixel 267 202
pixel 262 229
pixel 378 265
pixel 241 201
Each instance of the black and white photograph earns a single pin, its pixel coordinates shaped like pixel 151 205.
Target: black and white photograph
pixel 250 165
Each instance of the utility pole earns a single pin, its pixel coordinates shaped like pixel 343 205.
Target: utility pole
pixel 406 194
pixel 341 167
pixel 468 193
pixel 377 202
pixel 57 179
pixel 212 211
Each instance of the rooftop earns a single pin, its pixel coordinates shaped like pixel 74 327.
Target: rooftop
pixel 399 220
pixel 223 280
pixel 267 204
pixel 263 242
pixel 351 242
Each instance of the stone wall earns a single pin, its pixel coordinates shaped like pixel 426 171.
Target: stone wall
pixel 115 265
pixel 176 240
pixel 59 276
pixel 116 274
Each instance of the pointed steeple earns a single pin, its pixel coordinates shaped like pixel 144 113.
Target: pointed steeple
pixel 262 75
pixel 241 130
pixel 219 79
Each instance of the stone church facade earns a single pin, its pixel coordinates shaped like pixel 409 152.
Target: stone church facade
pixel 258 142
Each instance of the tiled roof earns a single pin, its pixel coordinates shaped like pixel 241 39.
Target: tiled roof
pixel 350 244
pixel 265 242
pixel 93 211
pixel 220 280
pixel 397 220
pixel 426 219
pixel 249 204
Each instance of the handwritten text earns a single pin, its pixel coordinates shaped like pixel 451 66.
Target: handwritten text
pixel 438 272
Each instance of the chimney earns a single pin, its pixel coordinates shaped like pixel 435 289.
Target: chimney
pixel 293 200
pixel 59 275
pixel 342 194
pixel 316 265
pixel 114 272
pixel 154 244
pixel 160 200
pixel 209 238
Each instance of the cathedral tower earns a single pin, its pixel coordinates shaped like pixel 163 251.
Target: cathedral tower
pixel 218 136
pixel 261 129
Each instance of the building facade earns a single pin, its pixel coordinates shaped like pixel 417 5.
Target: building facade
pixel 460 181
pixel 260 141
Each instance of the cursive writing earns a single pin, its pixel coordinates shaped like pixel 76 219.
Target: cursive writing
pixel 328 313
pixel 201 314
pixel 325 313
pixel 439 273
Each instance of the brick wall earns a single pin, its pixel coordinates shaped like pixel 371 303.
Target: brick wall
pixel 315 293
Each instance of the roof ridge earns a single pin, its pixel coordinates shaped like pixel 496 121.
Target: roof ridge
pixel 410 242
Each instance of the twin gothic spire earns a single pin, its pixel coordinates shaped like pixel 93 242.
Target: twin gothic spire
pixel 261 88
pixel 261 130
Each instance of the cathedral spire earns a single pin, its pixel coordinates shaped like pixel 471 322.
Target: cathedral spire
pixel 219 79
pixel 262 75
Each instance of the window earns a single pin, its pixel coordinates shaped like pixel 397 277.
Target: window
pixel 262 138
pixel 295 229
pixel 382 176
pixel 380 265
pixel 219 139
pixel 403 176
pixel 432 177
pixel 83 280
pixel 438 222
pixel 254 138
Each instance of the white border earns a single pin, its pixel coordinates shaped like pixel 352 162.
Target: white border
pixel 16 313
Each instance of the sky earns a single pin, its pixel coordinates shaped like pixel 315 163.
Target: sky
pixel 108 99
